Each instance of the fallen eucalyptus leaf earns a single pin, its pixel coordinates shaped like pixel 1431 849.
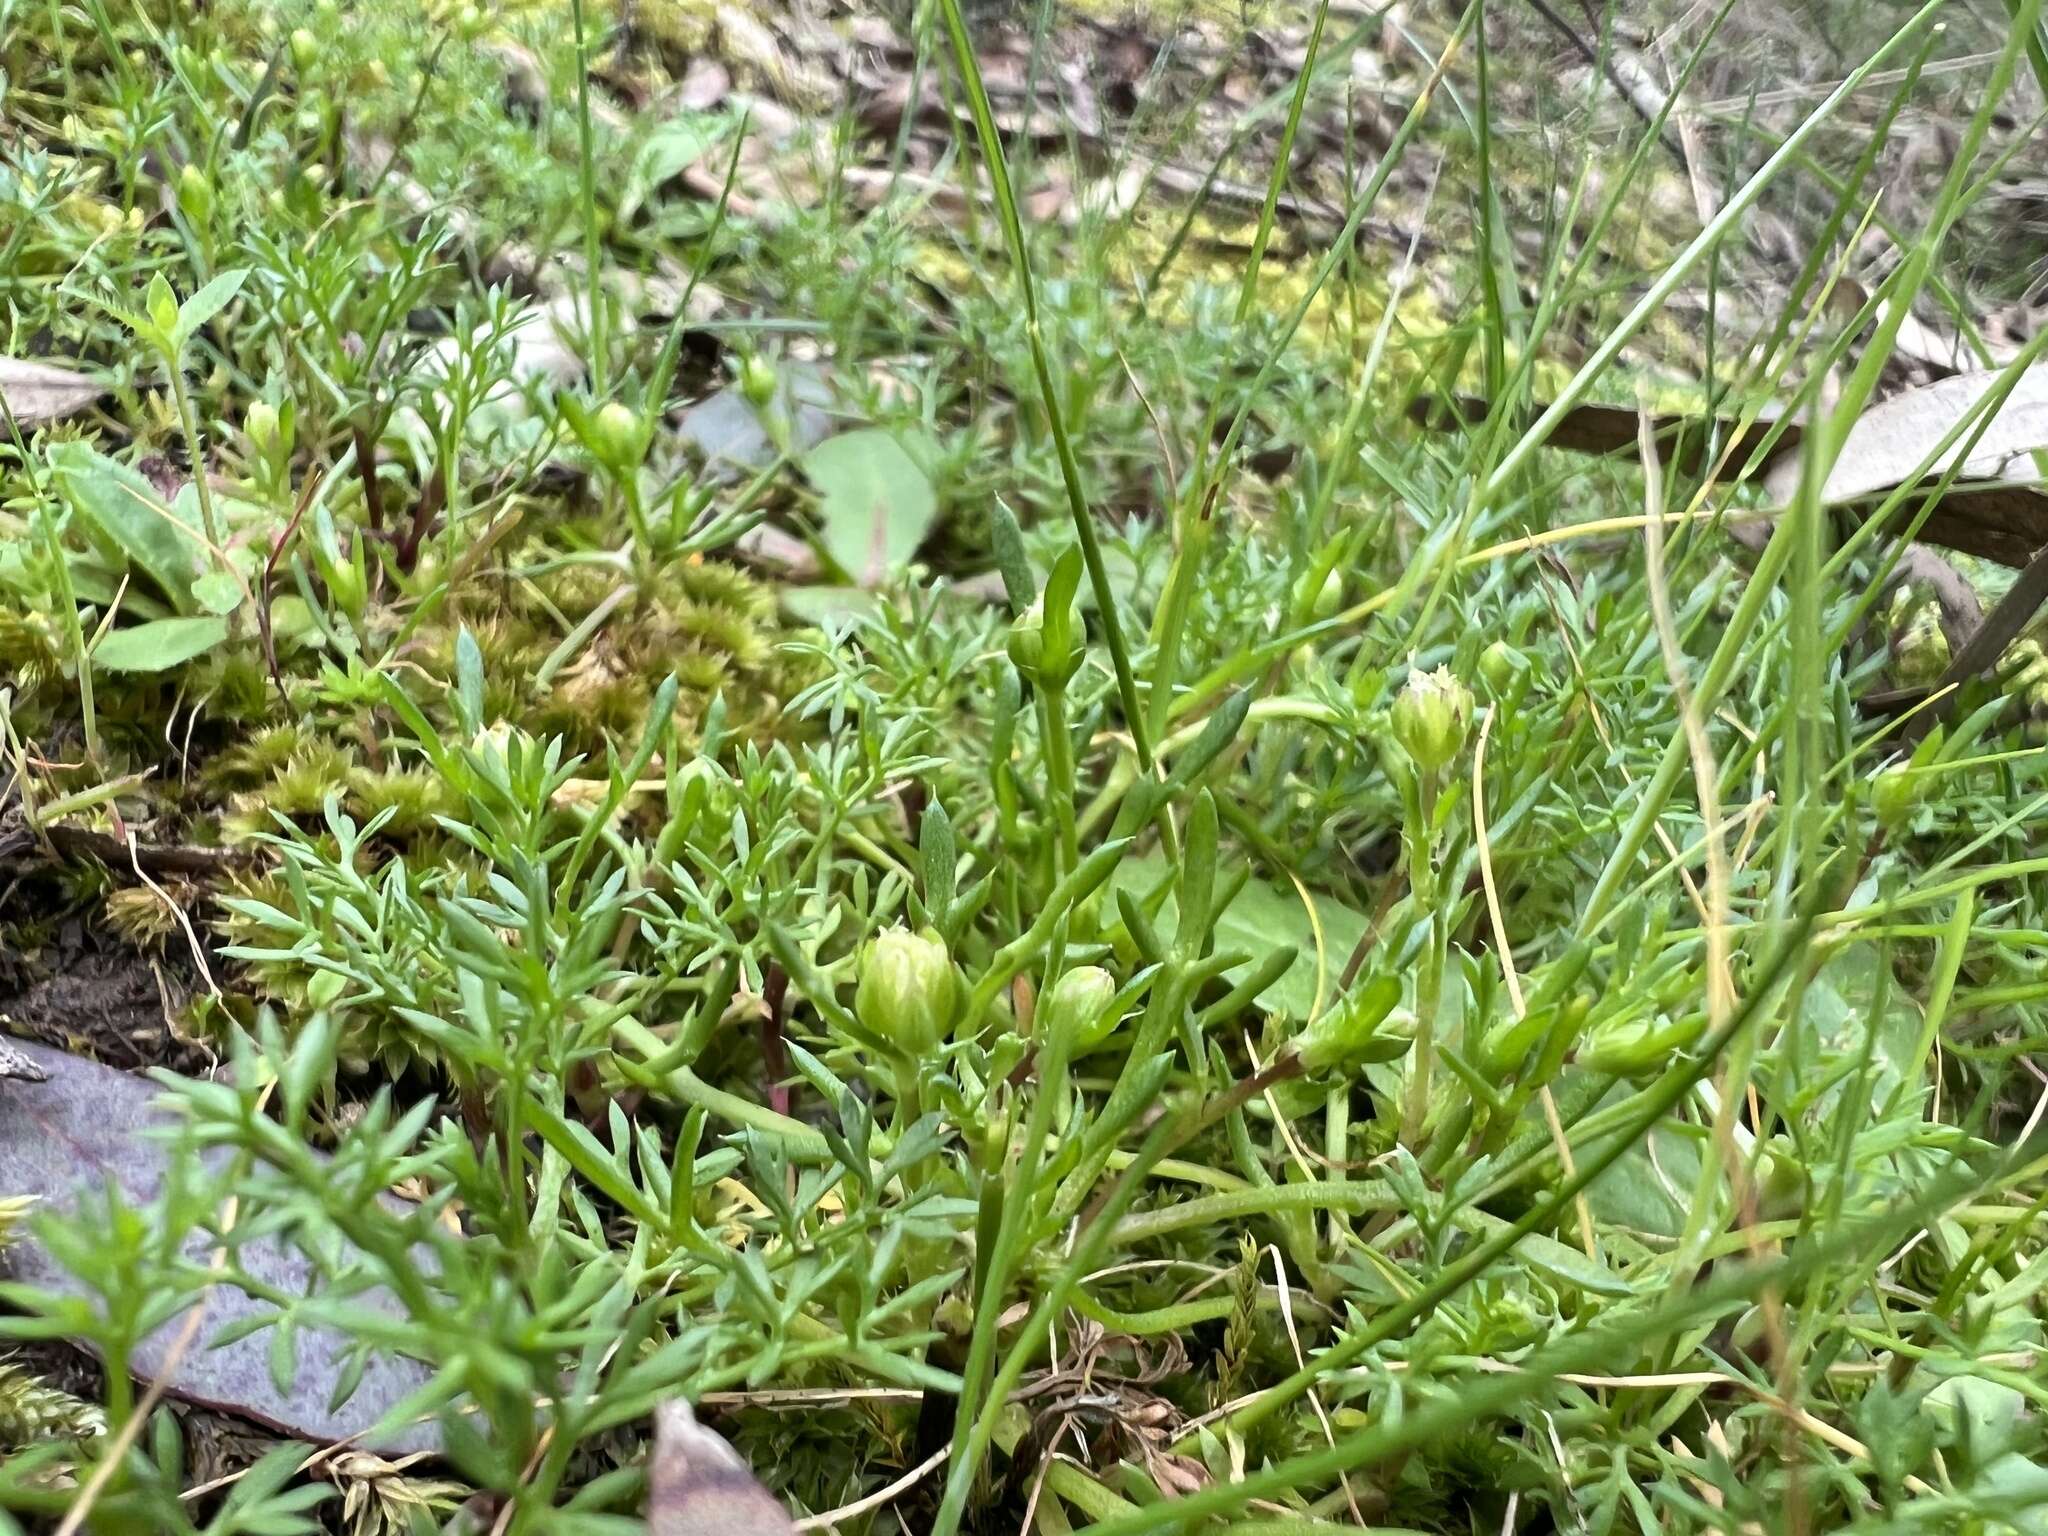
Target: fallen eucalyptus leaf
pixel 1694 442
pixel 65 1138
pixel 698 1485
pixel 1992 509
pixel 35 393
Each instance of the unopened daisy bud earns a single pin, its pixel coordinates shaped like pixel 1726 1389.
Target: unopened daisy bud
pixel 1431 717
pixel 195 194
pixel 1358 1031
pixel 758 379
pixel 1895 794
pixel 1501 665
pixel 305 49
pixel 1076 1008
pixel 906 988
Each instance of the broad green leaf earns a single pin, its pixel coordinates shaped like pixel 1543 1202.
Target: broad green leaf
pixel 877 505
pixel 159 644
pixel 668 151
pixel 206 303
pixel 1848 1007
pixel 1561 1261
pixel 1262 919
pixel 291 620
pixel 130 517
pixel 1649 1188
pixel 217 591
pixel 825 606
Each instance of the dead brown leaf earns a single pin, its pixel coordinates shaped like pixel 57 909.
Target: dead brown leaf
pixel 1993 509
pixel 1890 439
pixel 35 393
pixel 697 1484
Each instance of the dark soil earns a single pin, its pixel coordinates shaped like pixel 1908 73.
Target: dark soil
pixel 81 989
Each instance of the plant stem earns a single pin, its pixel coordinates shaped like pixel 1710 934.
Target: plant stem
pixel 587 169
pixel 195 450
pixel 1059 768
pixel 1429 981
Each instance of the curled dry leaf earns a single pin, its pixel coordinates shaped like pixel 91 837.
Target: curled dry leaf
pixel 65 1136
pixel 35 393
pixel 1993 509
pixel 1999 515
pixel 698 1485
pixel 1695 442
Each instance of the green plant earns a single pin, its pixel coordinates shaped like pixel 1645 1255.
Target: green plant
pixel 1421 927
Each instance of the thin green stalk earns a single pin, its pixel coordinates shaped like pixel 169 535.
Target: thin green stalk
pixel 1479 1397
pixel 1059 770
pixel 685 1086
pixel 1015 1230
pixel 74 630
pixel 195 448
pixel 586 157
pixel 1668 282
pixel 1070 467
pixel 1195 515
pixel 1172 1131
pixel 1240 1206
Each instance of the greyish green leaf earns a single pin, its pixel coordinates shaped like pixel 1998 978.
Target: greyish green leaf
pixel 129 517
pixel 206 303
pixel 160 644
pixel 1262 918
pixel 876 505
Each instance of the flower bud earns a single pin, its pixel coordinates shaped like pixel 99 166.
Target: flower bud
pixel 1358 1031
pixel 1638 1047
pixel 1026 644
pixel 1327 597
pixel 348 584
pixel 1076 1009
pixel 1895 795
pixel 305 49
pixel 758 379
pixel 905 993
pixel 615 437
pixel 1029 652
pixel 263 425
pixel 1431 716
pixel 163 306
pixel 1501 665
pixel 195 194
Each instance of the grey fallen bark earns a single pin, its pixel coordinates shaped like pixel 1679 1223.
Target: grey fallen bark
pixel 63 1138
